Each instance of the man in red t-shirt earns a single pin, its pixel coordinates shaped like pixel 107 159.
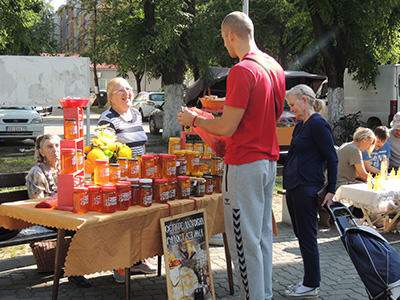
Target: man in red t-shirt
pixel 254 102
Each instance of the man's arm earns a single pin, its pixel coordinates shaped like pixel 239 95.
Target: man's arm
pixel 225 125
pixel 369 168
pixel 361 172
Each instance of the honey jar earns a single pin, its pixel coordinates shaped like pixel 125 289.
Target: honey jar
pixel 161 190
pixel 179 154
pixel 135 194
pixel 81 200
pixel 80 159
pixel 101 171
pixel 133 168
pixel 168 165
pixel 147 167
pixel 200 187
pixel 183 187
pixel 172 188
pixel 115 173
pixel 68 161
pixel 124 195
pixel 174 144
pixel 192 158
pixel 209 185
pixel 217 165
pixel 189 146
pixel 181 169
pixel 109 198
pixel 218 183
pixel 80 123
pixel 146 195
pixel 94 197
pixel 70 129
pixel 123 162
pixel 207 151
pixel 199 147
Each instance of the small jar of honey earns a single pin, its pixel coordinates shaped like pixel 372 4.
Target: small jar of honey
pixel 68 161
pixel 81 200
pixel 70 129
pixel 146 195
pixel 109 199
pixel 161 190
pixel 183 187
pixel 124 195
pixel 101 171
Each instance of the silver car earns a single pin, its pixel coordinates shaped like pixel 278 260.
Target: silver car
pixel 20 123
pixel 145 102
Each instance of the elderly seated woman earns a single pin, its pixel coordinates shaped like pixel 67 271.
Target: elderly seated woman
pixel 41 180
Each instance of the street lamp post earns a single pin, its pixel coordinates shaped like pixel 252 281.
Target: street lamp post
pixel 246 7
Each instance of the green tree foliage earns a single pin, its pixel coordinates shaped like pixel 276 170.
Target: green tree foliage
pixel 25 27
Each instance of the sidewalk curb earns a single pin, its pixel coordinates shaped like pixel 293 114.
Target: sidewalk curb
pixel 16 262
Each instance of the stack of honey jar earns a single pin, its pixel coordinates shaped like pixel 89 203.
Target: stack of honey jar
pixel 146 179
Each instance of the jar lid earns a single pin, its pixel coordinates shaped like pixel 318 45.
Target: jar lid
pixel 179 151
pixel 183 178
pixel 80 189
pixel 132 159
pixel 122 158
pixel 146 187
pixel 79 150
pixel 94 188
pixel 108 188
pixel 101 161
pixel 160 180
pixel 133 180
pixel 207 177
pixel 70 119
pixel 219 175
pixel 146 180
pixel 169 156
pixel 171 179
pixel 89 183
pixel 216 157
pixel 174 139
pixel 181 159
pixel 135 185
pixel 114 165
pixel 67 150
pixel 197 174
pixel 147 156
pixel 123 184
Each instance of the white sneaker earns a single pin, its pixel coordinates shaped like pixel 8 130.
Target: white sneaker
pixel 145 267
pixel 299 293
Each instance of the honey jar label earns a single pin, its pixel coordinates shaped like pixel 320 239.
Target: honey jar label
pixel 97 200
pixel 85 200
pixel 125 197
pixel 147 200
pixel 111 201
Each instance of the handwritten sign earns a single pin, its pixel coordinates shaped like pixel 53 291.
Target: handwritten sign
pixel 187 261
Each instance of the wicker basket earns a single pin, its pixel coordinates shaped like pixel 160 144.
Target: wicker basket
pixel 217 103
pixel 44 253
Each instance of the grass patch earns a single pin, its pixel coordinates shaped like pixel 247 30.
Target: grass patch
pixel 14 251
pixel 15 165
pixel 278 184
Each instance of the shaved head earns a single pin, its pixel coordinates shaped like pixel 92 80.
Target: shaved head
pixel 240 24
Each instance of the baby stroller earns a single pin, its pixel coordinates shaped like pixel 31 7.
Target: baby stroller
pixel 377 262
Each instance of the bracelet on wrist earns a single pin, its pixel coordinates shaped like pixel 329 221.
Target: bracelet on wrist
pixel 194 119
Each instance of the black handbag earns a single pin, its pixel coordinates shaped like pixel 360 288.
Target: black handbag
pixel 320 195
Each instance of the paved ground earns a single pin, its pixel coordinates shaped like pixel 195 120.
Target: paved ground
pixel 19 278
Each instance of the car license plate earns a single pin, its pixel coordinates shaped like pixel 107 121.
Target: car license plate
pixel 15 128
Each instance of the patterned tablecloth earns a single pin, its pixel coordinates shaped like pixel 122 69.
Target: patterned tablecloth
pixel 110 241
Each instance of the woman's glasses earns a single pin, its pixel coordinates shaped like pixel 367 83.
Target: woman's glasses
pixel 123 90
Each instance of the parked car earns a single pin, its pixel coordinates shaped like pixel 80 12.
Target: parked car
pixel 145 102
pixel 20 123
pixel 44 110
pixel 156 119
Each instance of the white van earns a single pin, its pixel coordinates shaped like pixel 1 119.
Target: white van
pixel 377 105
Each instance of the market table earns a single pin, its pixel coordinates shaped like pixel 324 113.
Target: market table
pixel 370 200
pixel 108 241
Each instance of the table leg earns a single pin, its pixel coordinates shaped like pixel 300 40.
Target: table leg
pixel 366 218
pixel 159 265
pixel 228 264
pixel 127 283
pixel 60 244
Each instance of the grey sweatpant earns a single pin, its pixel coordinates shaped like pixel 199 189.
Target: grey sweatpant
pixel 247 195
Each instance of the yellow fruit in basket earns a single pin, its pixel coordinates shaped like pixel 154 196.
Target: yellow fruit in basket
pixel 89 167
pixel 94 154
pixel 125 151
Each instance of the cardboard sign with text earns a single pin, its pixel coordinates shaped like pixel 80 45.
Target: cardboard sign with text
pixel 187 260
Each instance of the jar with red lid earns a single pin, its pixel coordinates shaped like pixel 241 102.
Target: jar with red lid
pixel 218 183
pixel 68 161
pixel 80 159
pixel 81 200
pixel 135 194
pixel 147 167
pixel 172 188
pixel 181 169
pixel 161 190
pixel 183 187
pixel 115 173
pixel 146 195
pixel 109 199
pixel 133 168
pixel 157 170
pixel 70 129
pixel 123 162
pixel 94 197
pixel 101 171
pixel 209 185
pixel 124 195
pixel 168 164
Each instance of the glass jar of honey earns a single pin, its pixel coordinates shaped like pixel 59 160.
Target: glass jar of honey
pixel 68 161
pixel 70 129
pixel 124 195
pixel 135 194
pixel 161 190
pixel 207 151
pixel 192 161
pixel 133 168
pixel 101 171
pixel 147 167
pixel 109 199
pixel 80 123
pixel 174 144
pixel 217 165
pixel 168 165
pixel 200 187
pixel 189 146
pixel 218 183
pixel 181 168
pixel 81 200
pixel 172 188
pixel 146 195
pixel 209 185
pixel 80 159
pixel 94 197
pixel 123 162
pixel 115 173
pixel 179 154
pixel 183 187
pixel 199 147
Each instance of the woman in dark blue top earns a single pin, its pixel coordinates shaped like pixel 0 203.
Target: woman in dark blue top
pixel 311 150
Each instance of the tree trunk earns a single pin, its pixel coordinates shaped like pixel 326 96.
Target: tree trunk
pixel 335 104
pixel 173 102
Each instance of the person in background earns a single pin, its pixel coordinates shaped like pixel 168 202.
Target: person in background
pixel 394 141
pixel 255 97
pixel 124 120
pixel 351 165
pixel 41 180
pixel 381 151
pixel 311 150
